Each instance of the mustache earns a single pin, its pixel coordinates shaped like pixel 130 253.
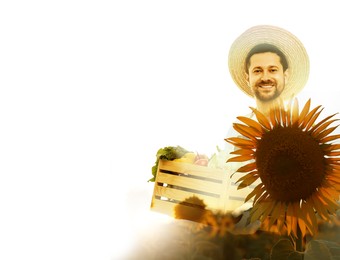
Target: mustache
pixel 266 82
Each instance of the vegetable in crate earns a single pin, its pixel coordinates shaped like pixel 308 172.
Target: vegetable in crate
pixel 167 153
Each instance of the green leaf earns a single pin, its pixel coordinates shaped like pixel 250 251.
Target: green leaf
pixel 284 250
pixel 322 249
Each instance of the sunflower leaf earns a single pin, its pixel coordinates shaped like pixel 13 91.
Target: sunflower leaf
pixel 282 249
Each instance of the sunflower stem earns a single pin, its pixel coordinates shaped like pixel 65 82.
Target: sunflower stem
pixel 299 240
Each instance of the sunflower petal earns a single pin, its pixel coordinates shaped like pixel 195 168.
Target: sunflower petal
pixel 295 225
pixel 240 141
pixel 257 189
pixel 247 168
pixel 323 127
pixel 333 160
pixel 312 120
pixel 300 220
pixel 281 224
pixel 277 211
pixel 332 207
pixel 285 117
pixel 330 138
pixel 251 123
pixel 304 111
pixel 243 151
pixel 259 210
pixel 247 131
pixel 311 216
pixel 325 132
pixel 263 197
pixel 332 194
pixel 295 112
pixel 259 195
pixel 289 219
pixel 247 182
pixel 319 207
pixel 332 147
pixel 241 158
pixel 296 210
pixel 335 178
pixel 261 118
pixel 323 123
pixel 248 175
pixel 272 117
pixel 306 119
pixel 278 115
pixel 304 215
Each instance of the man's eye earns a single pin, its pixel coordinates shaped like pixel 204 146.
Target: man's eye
pixel 257 71
pixel 273 70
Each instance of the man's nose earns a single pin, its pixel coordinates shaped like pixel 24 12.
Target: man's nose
pixel 265 76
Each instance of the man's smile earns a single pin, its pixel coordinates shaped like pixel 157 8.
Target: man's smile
pixel 266 86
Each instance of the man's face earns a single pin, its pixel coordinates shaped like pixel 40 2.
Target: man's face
pixel 266 77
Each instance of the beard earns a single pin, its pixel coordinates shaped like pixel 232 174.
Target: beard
pixel 263 95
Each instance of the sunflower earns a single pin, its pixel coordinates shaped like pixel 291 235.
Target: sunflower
pixel 192 208
pixel 297 162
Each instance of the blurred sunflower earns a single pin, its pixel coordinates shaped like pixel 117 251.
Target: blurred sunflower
pixel 192 208
pixel 297 163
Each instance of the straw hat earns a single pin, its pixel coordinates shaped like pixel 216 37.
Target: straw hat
pixel 292 48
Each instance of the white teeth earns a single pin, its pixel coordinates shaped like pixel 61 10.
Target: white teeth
pixel 266 86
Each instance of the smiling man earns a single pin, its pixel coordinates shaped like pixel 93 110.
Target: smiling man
pixel 268 63
pixel 266 70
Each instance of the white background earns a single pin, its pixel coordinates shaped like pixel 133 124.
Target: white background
pixel 90 90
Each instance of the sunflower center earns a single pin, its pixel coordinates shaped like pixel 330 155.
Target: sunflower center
pixel 290 163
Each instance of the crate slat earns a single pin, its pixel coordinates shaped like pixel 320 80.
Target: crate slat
pixel 165 207
pixel 181 195
pixel 192 169
pixel 189 183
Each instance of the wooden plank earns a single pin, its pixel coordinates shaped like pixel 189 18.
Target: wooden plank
pixel 189 183
pixel 180 195
pixel 192 169
pixel 166 207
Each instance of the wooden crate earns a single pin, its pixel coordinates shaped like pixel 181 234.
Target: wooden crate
pixel 177 181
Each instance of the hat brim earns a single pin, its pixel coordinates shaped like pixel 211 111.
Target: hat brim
pixel 290 45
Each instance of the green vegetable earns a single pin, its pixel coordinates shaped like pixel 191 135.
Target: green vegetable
pixel 167 153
